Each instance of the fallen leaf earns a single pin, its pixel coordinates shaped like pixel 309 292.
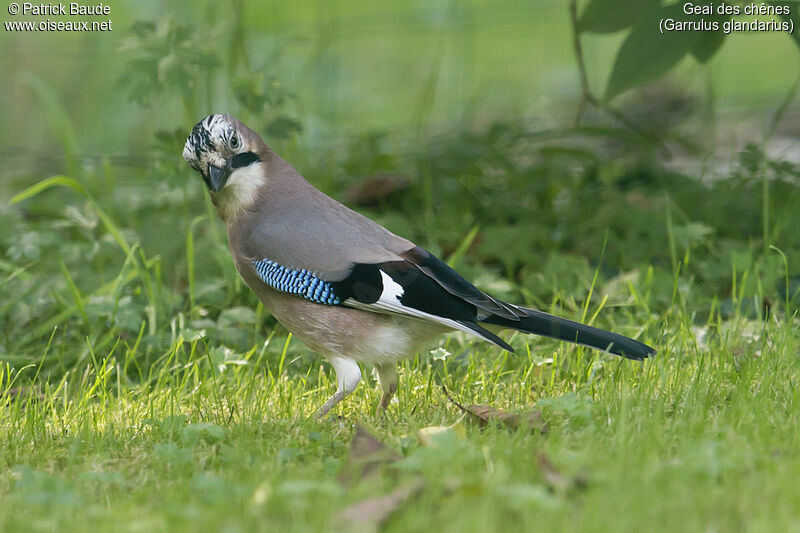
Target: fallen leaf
pixel 485 414
pixel 367 456
pixel 375 190
pixel 371 514
pixel 425 435
pixel 552 476
pixel 557 481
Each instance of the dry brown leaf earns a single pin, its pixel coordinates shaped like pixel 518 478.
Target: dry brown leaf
pixel 557 481
pixel 375 190
pixel 484 414
pixel 552 476
pixel 367 456
pixel 371 514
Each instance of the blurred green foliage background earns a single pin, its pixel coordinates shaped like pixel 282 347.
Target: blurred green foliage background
pixel 451 122
pixel 142 385
pixel 352 66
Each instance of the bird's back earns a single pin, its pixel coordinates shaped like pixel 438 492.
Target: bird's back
pixel 298 226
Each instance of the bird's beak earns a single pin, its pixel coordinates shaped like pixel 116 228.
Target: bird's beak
pixel 217 176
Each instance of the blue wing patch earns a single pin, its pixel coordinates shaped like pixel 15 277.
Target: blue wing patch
pixel 293 281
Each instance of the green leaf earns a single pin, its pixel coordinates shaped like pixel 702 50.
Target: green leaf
pixel 692 234
pixel 466 242
pixel 709 41
pixel 793 17
pixel 45 184
pixel 235 316
pixel 609 16
pixel 647 54
pixel 203 431
pixel 76 293
pixel 65 181
pixel 283 127
pixel 570 404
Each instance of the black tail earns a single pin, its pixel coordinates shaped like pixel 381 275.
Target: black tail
pixel 560 328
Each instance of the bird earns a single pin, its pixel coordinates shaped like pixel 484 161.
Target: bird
pixel 348 288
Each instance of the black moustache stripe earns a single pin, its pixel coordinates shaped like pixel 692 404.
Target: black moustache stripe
pixel 244 159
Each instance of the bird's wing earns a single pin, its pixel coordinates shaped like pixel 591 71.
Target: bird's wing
pixel 404 288
pixel 455 284
pixel 301 228
pixel 302 242
pixel 395 287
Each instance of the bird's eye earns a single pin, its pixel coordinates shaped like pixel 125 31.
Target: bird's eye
pixel 235 141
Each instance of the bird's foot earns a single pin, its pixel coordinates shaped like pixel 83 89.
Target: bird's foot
pixel 386 399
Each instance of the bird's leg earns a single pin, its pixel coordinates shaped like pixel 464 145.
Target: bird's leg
pixel 348 374
pixel 387 377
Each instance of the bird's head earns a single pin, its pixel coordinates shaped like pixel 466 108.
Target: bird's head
pixel 228 155
pixel 219 146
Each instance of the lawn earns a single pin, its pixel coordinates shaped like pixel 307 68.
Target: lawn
pixel 143 387
pixel 700 438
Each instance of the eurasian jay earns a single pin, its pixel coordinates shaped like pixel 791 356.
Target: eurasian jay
pixel 344 285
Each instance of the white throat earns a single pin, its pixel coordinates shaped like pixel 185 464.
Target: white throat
pixel 240 191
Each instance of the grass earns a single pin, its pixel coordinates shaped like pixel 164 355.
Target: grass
pixel 698 438
pixel 145 390
pixel 142 385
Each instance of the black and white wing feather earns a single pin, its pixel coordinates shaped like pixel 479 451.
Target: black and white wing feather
pixel 400 287
pixel 397 287
pixel 421 286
